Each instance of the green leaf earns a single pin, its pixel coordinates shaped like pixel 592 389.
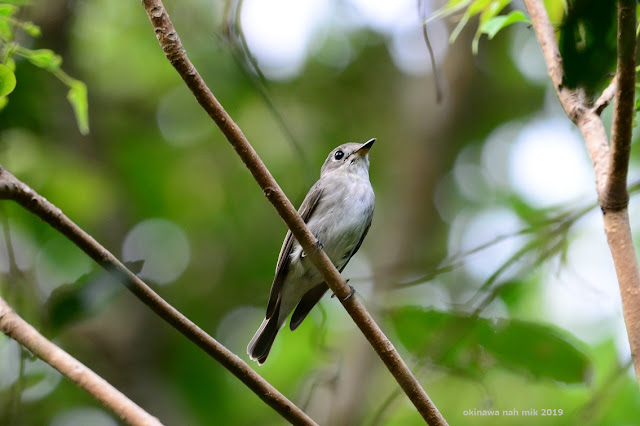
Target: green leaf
pixel 451 7
pixel 3 102
pixel 7 80
pixel 32 29
pixel 8 10
pixel 11 63
pixel 43 58
pixel 6 29
pixel 495 24
pixel 473 345
pixel 491 25
pixel 476 7
pixel 77 97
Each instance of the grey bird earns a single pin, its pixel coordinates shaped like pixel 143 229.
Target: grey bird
pixel 338 210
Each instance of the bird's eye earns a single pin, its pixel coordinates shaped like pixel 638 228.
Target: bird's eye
pixel 338 155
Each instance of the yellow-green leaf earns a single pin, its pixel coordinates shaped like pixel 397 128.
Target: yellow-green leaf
pixel 452 7
pixel 44 58
pixel 7 80
pixel 77 97
pixel 494 25
pixel 32 29
pixel 8 10
pixel 474 8
pixel 6 30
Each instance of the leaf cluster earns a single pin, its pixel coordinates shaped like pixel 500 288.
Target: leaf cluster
pixel 491 23
pixel 46 59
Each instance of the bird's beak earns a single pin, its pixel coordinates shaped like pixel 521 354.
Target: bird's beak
pixel 364 149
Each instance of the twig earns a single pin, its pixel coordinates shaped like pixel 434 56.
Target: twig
pixel 173 49
pixel 18 329
pixel 13 189
pixel 606 96
pixel 610 170
pixel 422 13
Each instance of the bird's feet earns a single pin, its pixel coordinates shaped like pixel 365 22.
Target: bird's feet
pixel 352 291
pixel 319 246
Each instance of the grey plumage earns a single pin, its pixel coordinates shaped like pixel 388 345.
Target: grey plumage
pixel 338 210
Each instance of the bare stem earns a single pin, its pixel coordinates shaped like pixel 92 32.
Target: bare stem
pixel 610 166
pixel 173 49
pixel 13 189
pixel 18 329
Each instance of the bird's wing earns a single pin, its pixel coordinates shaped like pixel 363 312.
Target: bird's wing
pixel 313 296
pixel 306 210
pixel 357 246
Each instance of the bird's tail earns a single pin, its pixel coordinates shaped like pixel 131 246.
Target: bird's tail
pixel 259 347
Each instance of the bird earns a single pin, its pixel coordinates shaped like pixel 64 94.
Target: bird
pixel 338 210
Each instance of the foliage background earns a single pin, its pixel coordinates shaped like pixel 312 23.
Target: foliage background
pixel 155 180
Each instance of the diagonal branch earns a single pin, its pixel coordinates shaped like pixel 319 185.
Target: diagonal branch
pixel 19 330
pixel 606 96
pixel 173 49
pixel 13 189
pixel 610 166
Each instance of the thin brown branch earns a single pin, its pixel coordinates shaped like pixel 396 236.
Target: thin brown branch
pixel 173 49
pixel 615 196
pixel 18 329
pixel 606 96
pixel 610 166
pixel 13 189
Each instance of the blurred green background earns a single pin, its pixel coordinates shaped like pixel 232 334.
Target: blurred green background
pixel 486 263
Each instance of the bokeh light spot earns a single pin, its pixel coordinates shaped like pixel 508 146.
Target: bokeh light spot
pixel 162 245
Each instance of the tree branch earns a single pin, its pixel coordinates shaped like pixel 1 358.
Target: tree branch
pixel 19 330
pixel 616 196
pixel 173 49
pixel 610 166
pixel 13 189
pixel 606 96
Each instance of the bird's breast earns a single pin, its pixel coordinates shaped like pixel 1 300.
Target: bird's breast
pixel 342 216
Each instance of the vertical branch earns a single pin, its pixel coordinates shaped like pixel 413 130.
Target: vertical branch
pixel 615 196
pixel 175 53
pixel 18 329
pixel 610 164
pixel 615 199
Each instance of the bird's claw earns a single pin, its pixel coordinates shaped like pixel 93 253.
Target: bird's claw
pixel 352 291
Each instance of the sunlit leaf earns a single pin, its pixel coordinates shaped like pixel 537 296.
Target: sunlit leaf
pixel 473 345
pixel 496 24
pixel 77 97
pixel 7 80
pixel 8 10
pixel 476 7
pixel 451 7
pixel 491 24
pixel 488 13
